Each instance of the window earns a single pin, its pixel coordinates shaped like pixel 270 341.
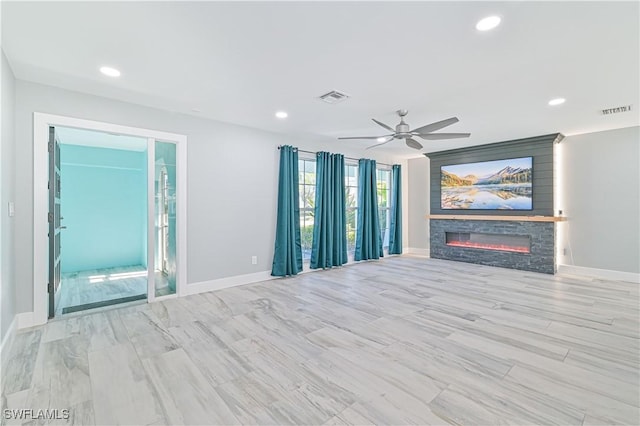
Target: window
pixel 384 204
pixel 307 189
pixel 351 200
pixel 351 191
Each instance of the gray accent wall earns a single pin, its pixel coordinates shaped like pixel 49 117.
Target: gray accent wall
pixel 540 148
pixel 7 172
pixel 542 235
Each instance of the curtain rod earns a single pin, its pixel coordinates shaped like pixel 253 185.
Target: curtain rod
pixel 346 158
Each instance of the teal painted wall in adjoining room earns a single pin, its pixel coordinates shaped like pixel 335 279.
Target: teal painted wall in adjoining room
pixel 104 206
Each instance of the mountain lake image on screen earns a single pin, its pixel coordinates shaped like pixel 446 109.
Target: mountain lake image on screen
pixel 488 185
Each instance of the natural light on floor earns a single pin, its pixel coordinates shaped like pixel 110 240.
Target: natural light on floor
pixel 113 277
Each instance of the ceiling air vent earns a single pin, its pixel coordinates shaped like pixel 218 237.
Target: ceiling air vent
pixel 334 97
pixel 615 110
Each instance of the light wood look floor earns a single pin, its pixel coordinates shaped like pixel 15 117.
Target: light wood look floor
pixel 405 340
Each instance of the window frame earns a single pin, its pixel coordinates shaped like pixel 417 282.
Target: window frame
pixel 303 160
pixel 353 209
pixel 384 228
pixel 351 204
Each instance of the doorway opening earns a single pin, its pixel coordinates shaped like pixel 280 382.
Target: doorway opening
pixel 156 246
pixel 102 198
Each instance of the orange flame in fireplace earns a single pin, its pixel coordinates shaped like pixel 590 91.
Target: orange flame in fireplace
pixel 486 246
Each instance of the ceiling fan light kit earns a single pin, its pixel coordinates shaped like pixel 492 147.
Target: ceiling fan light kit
pixel 403 131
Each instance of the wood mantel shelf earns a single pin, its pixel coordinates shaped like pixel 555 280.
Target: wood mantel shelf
pixel 502 218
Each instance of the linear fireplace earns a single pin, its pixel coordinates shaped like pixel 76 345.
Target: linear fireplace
pixel 518 243
pixel 486 241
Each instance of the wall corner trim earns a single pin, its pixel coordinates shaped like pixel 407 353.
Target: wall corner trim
pixel 606 274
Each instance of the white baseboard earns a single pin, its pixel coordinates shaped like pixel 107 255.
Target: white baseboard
pixel 25 320
pixel 599 273
pixel 221 283
pixel 417 251
pixel 7 342
pixel 237 280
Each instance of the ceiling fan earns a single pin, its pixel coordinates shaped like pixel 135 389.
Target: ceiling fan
pixel 402 131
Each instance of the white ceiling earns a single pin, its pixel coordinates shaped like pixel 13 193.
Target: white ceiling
pixel 240 62
pixel 83 137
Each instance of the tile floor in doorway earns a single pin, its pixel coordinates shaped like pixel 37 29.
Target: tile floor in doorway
pixel 99 285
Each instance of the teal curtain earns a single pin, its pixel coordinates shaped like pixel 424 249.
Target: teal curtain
pixel 395 227
pixel 287 256
pixel 329 247
pixel 368 238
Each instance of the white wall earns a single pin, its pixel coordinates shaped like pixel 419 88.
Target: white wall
pixel 418 205
pixel 7 170
pixel 404 173
pixel 600 195
pixel 232 181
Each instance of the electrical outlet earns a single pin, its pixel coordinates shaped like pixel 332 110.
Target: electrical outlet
pixel 564 251
pixel 254 260
pixel 12 209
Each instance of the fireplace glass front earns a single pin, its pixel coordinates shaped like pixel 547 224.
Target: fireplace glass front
pixel 499 242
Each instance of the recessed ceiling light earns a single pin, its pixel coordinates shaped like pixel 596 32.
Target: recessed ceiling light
pixel 488 23
pixel 382 139
pixel 111 72
pixel 556 101
pixel 281 114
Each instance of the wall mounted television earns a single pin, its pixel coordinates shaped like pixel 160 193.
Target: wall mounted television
pixel 488 185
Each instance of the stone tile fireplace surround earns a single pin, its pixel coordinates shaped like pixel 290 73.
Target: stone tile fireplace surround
pixel 486 250
pixel 530 234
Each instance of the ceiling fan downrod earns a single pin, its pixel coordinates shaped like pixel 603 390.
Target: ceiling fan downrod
pixel 402 129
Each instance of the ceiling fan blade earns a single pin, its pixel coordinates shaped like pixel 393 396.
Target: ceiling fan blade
pixel 382 143
pixel 438 136
pixel 383 125
pixel 436 126
pixel 365 137
pixel 412 143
